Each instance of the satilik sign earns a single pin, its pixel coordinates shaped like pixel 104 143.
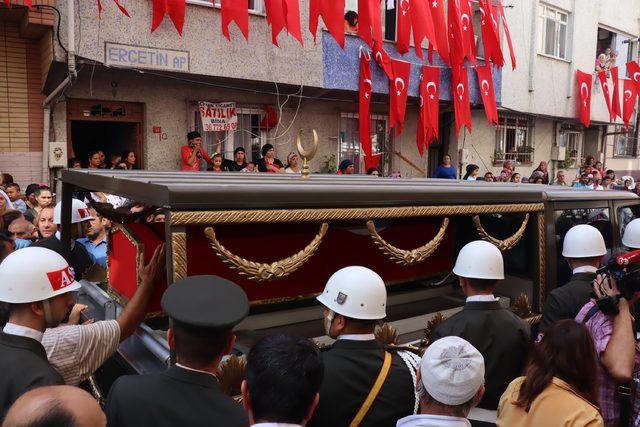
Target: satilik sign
pixel 218 116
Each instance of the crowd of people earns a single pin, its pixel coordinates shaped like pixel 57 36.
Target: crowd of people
pixel 606 61
pixel 97 159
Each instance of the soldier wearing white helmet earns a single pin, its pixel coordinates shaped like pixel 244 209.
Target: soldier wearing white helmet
pixel 36 283
pixel 631 237
pixel 79 259
pixel 583 249
pixel 357 366
pixel 501 337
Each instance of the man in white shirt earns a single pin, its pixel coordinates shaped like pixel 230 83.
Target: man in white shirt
pixel 283 377
pixel 450 384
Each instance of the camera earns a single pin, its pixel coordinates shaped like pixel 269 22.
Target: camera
pixel 625 269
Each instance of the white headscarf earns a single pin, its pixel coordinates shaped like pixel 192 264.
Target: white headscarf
pixel 7 200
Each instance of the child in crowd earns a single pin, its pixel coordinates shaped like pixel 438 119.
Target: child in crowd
pixel 217 163
pixel 251 168
pixel 13 191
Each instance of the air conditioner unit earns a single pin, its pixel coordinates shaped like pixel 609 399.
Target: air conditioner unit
pixel 558 153
pixel 57 154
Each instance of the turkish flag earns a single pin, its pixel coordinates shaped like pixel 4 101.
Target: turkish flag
pixel 440 28
pixel 606 92
pixel 456 47
pixel 366 91
pixel 283 14
pixel 235 11
pixel 460 94
pixel 630 98
pixel 507 33
pixel 485 83
pixel 383 59
pixel 422 24
pixel 176 10
pixel 404 26
pixel 583 81
pixel 615 97
pixel 468 35
pixel 370 21
pixel 398 91
pixel 490 34
pixel 332 12
pixel 428 117
pixel 634 73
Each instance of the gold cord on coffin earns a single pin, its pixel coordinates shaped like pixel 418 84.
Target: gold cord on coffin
pixel 265 272
pixel 506 244
pixel 407 257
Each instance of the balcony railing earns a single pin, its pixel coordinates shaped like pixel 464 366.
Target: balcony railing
pixel 523 157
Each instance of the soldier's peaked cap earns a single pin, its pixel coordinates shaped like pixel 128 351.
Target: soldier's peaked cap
pixel 206 301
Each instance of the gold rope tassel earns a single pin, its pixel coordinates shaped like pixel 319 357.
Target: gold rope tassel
pixel 407 257
pixel 265 272
pixel 506 244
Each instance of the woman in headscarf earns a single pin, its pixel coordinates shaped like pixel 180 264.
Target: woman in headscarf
pixel 268 163
pixel 508 168
pixel 542 170
pixel 5 202
pixel 472 173
pixel 346 167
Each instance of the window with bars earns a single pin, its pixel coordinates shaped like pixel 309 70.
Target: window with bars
pixel 249 135
pixel 571 137
pixel 349 142
pixel 554 24
pixel 625 143
pixel 514 137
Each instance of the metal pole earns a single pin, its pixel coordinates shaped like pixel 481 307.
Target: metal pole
pixel 65 219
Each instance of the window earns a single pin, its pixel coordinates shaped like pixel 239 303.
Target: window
pixel 553 31
pixel 514 136
pixel 625 143
pixel 249 134
pixel 388 17
pixel 254 5
pixel 350 149
pixel 571 138
pixel 618 48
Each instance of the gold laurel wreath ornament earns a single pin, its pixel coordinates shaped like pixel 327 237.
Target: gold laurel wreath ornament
pixel 506 244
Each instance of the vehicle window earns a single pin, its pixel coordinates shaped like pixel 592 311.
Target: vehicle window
pixel 626 215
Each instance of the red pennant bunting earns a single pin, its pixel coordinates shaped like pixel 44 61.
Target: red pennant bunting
pixel 468 35
pixel 456 47
pixel 332 13
pixel 630 99
pixel 491 34
pixel 366 91
pixel 292 19
pixel 583 81
pixel 176 10
pixel 615 96
pixel 383 60
pixel 370 21
pixel 485 84
pixel 460 94
pixel 283 14
pixel 398 91
pixel 440 28
pixel 422 24
pixel 606 92
pixel 428 117
pixel 235 11
pixel 507 33
pixel 634 73
pixel 404 26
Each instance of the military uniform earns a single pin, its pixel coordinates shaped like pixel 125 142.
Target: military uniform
pixel 350 371
pixel 565 302
pixel 24 365
pixel 183 396
pixel 501 337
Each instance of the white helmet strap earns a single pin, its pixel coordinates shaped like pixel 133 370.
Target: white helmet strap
pixel 46 306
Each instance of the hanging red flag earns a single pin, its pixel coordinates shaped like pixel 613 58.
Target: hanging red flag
pixel 634 73
pixel 615 96
pixel 440 28
pixel 456 48
pixel 383 59
pixel 606 92
pixel 398 91
pixel 583 81
pixel 485 84
pixel 235 11
pixel 404 26
pixel 422 24
pixel 332 13
pixel 468 35
pixel 176 10
pixel 370 21
pixel 366 91
pixel 507 33
pixel 428 117
pixel 283 14
pixel 630 98
pixel 460 94
pixel 490 34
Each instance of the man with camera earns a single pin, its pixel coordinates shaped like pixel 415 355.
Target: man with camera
pixel 610 324
pixel 193 153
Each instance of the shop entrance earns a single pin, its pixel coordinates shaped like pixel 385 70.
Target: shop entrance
pixel 113 127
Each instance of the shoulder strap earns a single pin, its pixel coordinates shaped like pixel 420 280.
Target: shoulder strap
pixel 375 390
pixel 592 311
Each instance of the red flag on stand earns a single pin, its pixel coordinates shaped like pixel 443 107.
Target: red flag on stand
pixel 404 26
pixel 398 91
pixel 485 84
pixel 630 98
pixel 366 91
pixel 634 73
pixel 422 24
pixel 490 34
pixel 383 59
pixel 615 97
pixel 583 81
pixel 332 13
pixel 440 28
pixel 283 14
pixel 370 21
pixel 460 94
pixel 507 33
pixel 468 35
pixel 606 92
pixel 176 10
pixel 235 11
pixel 429 114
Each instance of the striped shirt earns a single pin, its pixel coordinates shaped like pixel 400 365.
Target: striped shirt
pixel 78 351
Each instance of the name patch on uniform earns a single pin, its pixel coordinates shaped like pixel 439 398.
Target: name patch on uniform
pixel 342 298
pixel 60 279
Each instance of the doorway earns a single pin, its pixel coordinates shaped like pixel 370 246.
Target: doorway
pixel 110 137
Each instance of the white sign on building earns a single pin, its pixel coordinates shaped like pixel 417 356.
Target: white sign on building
pixel 219 116
pixel 151 58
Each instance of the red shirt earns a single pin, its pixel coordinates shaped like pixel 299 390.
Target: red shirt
pixel 185 153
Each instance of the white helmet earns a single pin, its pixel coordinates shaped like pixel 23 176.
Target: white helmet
pixel 583 241
pixel 356 292
pixel 480 260
pixel 79 212
pixel 34 274
pixel 631 237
